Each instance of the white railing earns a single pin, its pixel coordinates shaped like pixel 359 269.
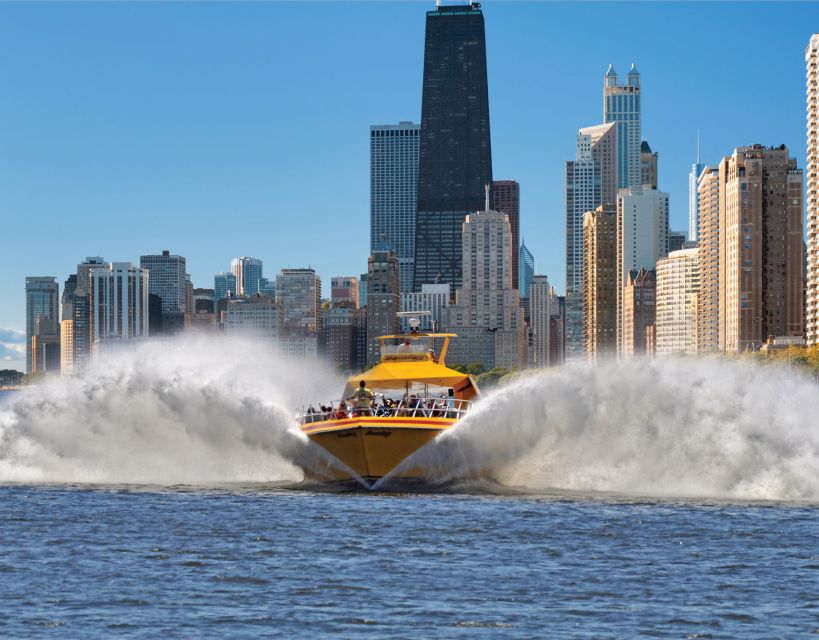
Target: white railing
pixel 451 408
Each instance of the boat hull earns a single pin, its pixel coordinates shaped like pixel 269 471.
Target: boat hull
pixel 372 447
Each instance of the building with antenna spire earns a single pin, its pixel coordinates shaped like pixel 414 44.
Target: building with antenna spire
pixel 621 104
pixel 694 196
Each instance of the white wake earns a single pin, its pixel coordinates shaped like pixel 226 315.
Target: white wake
pixel 186 411
pixel 664 427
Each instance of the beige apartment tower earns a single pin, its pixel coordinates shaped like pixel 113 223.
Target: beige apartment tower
pixel 708 239
pixel 678 284
pixel 812 311
pixel 761 251
pixel 600 281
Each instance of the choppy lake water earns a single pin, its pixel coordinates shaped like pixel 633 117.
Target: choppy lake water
pixel 268 562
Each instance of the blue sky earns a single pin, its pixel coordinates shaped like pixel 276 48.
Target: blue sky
pixel 224 129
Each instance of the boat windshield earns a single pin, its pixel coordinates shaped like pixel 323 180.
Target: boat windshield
pixel 407 347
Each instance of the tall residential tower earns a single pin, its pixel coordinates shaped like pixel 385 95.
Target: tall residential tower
pixel 621 104
pixel 812 314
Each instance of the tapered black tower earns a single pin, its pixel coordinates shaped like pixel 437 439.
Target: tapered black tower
pixel 455 160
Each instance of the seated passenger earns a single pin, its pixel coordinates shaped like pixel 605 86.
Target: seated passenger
pixel 342 412
pixel 406 347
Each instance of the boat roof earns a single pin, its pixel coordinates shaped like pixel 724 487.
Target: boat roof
pixel 396 374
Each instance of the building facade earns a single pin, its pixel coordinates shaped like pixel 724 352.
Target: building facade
pixel 168 280
pixel 761 247
pixel 256 316
pixel 42 301
pixel 621 104
pixel 678 285
pixel 432 301
pixel 344 289
pixel 676 241
pixel 639 311
pixel 455 153
pixel 383 300
pixel 591 180
pixel 648 165
pixel 600 281
pixel 341 325
pixel 694 196
pixel 394 192
pixel 642 238
pixel 506 198
pixel 708 256
pixel 487 315
pixel 541 296
pixel 248 273
pixel 812 308
pixel 118 304
pixel 526 266
pixel 298 291
pixel 224 284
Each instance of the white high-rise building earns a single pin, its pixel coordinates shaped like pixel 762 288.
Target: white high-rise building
pixel 642 238
pixel 591 180
pixel 248 273
pixel 119 303
pixel 812 170
pixel 678 285
pixel 540 315
pixel 621 104
pixel 394 193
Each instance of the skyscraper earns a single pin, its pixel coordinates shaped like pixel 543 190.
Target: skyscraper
pixel 678 285
pixel 256 316
pixel 694 196
pixel 761 258
pixel 639 311
pixel 345 289
pixel 42 301
pixel 812 311
pixel 168 280
pixel 540 314
pixel 642 238
pixel 600 281
pixel 383 299
pixel 433 299
pixel 299 292
pixel 708 234
pixel 621 104
pixel 526 263
pixel 455 155
pixel 648 165
pixel 224 283
pixel 591 180
pixel 119 303
pixel 394 192
pixel 506 198
pixel 248 273
pixel 676 240
pixel 487 314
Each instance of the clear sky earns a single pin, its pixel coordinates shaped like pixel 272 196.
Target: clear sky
pixel 224 129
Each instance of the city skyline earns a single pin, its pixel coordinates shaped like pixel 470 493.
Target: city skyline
pixel 144 196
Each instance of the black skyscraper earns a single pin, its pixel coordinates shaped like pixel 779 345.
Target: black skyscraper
pixel 455 153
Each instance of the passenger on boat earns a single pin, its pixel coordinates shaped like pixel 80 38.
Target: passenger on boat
pixel 432 356
pixel 406 347
pixel 341 412
pixel 363 399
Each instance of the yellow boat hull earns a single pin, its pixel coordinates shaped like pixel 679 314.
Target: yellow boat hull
pixel 373 447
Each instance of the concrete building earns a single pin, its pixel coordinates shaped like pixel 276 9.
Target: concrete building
pixel 432 299
pixel 267 287
pixel 621 104
pixel 487 314
pixel 394 192
pixel 557 330
pixel 812 308
pixel 591 180
pixel 299 292
pixel 708 234
pixel 642 238
pixel 45 347
pixel 383 300
pixel 248 273
pixel 224 284
pixel 639 311
pixel 340 343
pixel 345 289
pixel 678 284
pixel 761 249
pixel 118 304
pixel 526 268
pixel 676 241
pixel 455 152
pixel 541 295
pixel 648 165
pixel 600 286
pixel 168 280
pixel 67 347
pixel 506 199
pixel 42 301
pixel 257 316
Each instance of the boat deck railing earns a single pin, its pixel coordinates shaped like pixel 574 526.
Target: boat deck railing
pixel 451 408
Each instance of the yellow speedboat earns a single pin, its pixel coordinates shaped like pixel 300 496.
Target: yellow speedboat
pixel 416 397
